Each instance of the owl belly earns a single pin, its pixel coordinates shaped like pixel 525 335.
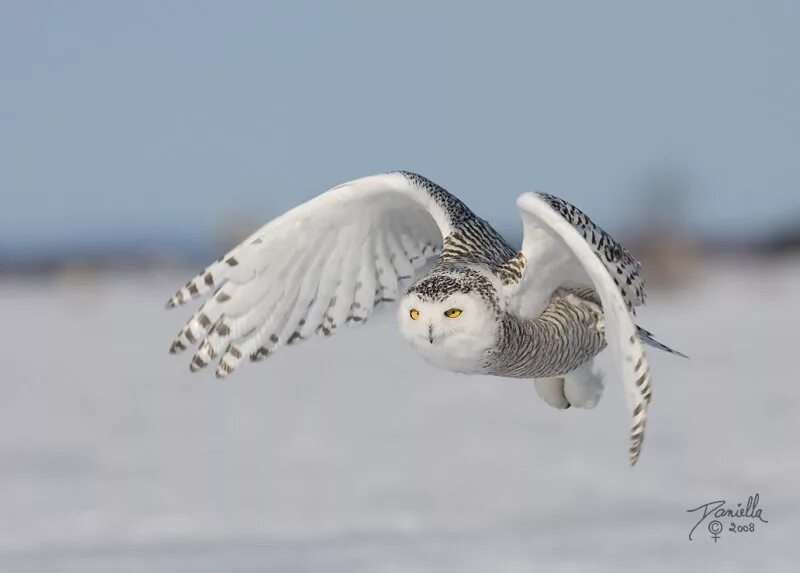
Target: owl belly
pixel 564 337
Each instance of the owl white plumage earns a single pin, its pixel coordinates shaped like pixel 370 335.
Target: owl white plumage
pixel 482 308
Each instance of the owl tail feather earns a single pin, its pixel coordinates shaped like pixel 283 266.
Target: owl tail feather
pixel 647 338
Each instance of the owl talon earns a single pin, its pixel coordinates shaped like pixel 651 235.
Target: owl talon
pixel 551 390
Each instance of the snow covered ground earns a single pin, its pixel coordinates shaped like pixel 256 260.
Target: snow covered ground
pixel 351 454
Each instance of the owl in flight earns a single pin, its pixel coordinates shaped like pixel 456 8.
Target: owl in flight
pixel 543 312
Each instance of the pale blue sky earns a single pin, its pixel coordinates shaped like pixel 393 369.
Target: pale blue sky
pixel 157 120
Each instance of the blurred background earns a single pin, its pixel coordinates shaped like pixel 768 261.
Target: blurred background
pixel 141 140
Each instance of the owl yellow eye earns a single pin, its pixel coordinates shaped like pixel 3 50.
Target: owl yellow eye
pixel 452 312
pixel 414 314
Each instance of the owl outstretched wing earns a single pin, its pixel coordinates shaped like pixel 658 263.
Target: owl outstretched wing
pixel 326 263
pixel 562 247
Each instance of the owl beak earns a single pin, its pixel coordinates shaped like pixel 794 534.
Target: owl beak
pixel 430 333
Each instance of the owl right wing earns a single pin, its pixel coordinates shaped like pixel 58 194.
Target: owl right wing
pixel 556 250
pixel 325 263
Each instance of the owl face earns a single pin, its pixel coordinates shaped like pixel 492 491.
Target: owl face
pixel 452 331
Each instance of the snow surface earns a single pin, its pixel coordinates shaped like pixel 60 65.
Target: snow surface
pixel 351 454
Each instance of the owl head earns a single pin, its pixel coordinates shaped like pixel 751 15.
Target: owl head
pixel 451 317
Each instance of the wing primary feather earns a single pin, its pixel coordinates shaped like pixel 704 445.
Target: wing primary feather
pixel 364 288
pixel 220 338
pixel 305 296
pixel 243 313
pixel 400 259
pixel 325 289
pixel 386 290
pixel 266 333
pixel 342 301
pixel 286 312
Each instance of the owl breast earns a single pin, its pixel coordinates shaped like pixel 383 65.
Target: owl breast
pixel 463 353
pixel 455 355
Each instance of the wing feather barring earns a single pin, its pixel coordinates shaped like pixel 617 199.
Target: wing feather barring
pixel 543 312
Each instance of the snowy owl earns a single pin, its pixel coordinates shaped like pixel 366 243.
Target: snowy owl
pixel 542 313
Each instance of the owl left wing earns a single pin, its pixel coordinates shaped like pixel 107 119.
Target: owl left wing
pixel 558 252
pixel 326 263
